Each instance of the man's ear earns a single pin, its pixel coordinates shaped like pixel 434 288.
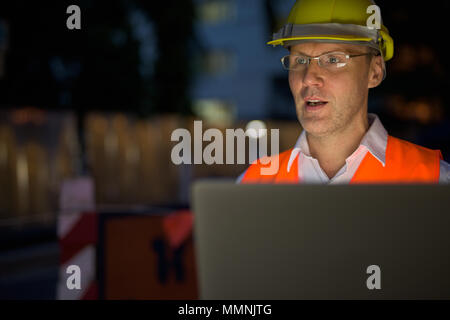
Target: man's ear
pixel 375 71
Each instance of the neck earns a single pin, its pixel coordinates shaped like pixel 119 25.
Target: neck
pixel 332 150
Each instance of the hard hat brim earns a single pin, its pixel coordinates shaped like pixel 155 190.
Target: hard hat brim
pixel 336 32
pixel 325 37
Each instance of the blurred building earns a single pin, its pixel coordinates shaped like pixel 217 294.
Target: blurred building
pixel 237 72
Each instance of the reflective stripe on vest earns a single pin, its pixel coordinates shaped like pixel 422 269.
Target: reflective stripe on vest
pixel 405 162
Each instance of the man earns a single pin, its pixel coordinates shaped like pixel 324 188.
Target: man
pixel 334 59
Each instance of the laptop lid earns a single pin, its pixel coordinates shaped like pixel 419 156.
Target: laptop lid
pixel 322 241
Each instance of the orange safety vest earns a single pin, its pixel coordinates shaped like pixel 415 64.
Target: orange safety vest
pixel 405 162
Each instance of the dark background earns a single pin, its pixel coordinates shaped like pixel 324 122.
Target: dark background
pixel 97 67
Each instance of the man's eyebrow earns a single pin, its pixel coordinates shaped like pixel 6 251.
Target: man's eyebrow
pixel 304 54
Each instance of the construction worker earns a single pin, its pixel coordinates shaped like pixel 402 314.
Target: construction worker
pixel 337 52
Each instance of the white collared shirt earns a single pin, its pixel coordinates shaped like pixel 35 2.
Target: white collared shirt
pixel 374 141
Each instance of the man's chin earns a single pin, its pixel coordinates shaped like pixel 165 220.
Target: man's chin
pixel 316 128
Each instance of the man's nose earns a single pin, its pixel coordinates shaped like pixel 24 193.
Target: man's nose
pixel 313 74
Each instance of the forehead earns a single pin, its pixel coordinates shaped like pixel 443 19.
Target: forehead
pixel 318 48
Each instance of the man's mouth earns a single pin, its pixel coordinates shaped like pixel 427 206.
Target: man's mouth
pixel 315 102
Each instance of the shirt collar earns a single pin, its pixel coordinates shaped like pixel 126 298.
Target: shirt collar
pixel 375 140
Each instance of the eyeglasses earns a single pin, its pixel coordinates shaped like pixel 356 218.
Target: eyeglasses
pixel 330 61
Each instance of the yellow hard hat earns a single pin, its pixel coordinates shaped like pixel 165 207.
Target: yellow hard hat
pixel 334 21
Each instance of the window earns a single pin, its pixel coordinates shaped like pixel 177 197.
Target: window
pixel 215 112
pixel 216 62
pixel 216 11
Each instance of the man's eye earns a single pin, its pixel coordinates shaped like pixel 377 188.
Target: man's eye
pixel 301 60
pixel 333 60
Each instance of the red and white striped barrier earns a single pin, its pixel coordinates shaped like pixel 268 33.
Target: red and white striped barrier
pixel 78 238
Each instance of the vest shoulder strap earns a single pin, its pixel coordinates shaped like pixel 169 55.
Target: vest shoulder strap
pixel 405 162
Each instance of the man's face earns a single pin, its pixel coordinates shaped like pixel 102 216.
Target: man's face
pixel 343 92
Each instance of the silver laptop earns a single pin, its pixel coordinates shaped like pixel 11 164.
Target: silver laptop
pixel 322 242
